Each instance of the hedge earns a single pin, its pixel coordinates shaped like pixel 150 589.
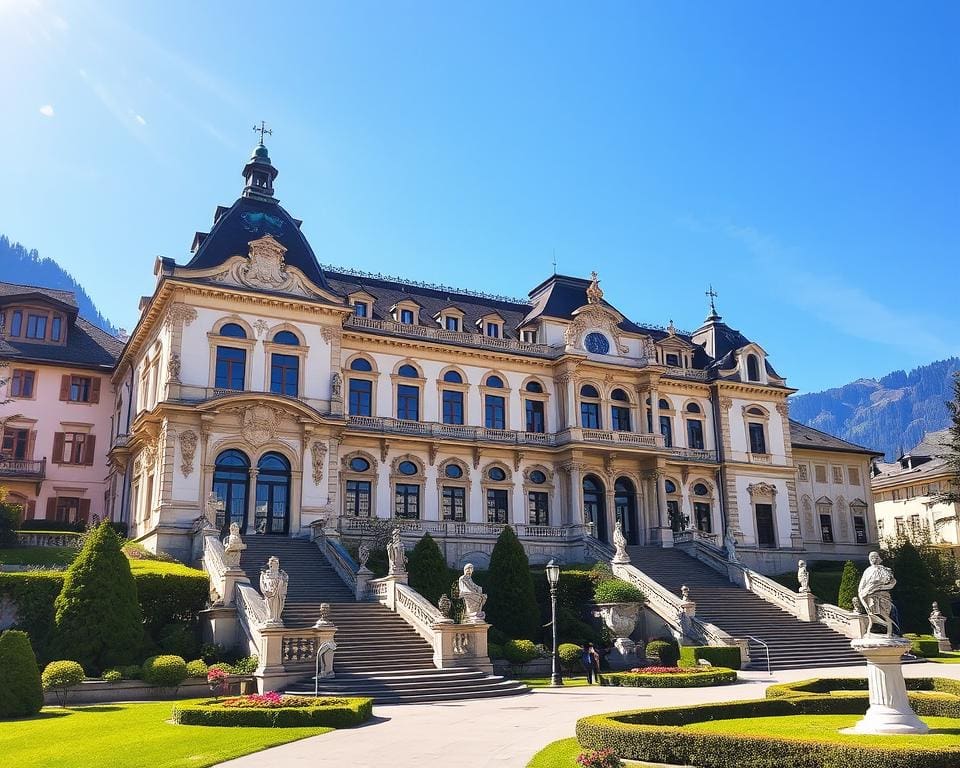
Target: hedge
pixel 667 652
pixel 925 646
pixel 824 685
pixel 33 592
pixel 713 676
pixel 657 736
pixel 352 712
pixel 21 694
pixel 718 655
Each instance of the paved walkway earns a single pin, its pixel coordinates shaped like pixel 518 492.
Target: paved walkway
pixel 507 732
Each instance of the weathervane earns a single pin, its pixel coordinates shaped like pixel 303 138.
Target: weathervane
pixel 712 294
pixel 262 129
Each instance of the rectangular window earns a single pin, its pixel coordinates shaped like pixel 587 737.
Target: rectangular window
pixel 408 402
pixel 21 383
pixel 55 328
pixel 538 508
pixel 67 509
pixel 901 528
pixel 406 316
pixel 853 474
pixel 361 396
pixel 360 308
pixel 16 322
pixel 493 330
pixel 73 447
pixel 497 511
pixel 530 337
pixel 838 475
pixel 758 441
pixel 231 368
pixel 701 513
pixel 535 419
pixel 820 473
pixel 860 529
pixel 802 471
pixel 406 501
pixel 14 445
pixel 590 415
pixel 766 536
pixel 494 412
pixel 826 528
pixel 454 503
pixel 666 429
pixel 284 374
pixel 452 407
pixel 673 360
pixel 36 327
pixel 80 389
pixel 452 323
pixel 677 523
pixel 357 502
pixel 695 434
pixel 620 418
pixel 896 494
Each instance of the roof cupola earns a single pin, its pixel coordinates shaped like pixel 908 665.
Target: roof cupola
pixel 259 171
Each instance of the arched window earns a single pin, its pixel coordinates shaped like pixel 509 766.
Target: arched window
pixel 620 411
pixel 233 331
pixel 494 382
pixel 625 507
pixel 453 471
pixel 538 477
pixel 701 508
pixel 593 506
pixel 678 521
pixel 408 372
pixel 590 407
pixel 701 490
pixel 534 386
pixel 272 509
pixel 361 364
pixel 452 377
pixel 358 491
pixel 588 390
pixel 669 486
pixel 756 430
pixel 231 475
pixel 286 337
pixel 498 498
pixel 753 368
pixel 693 408
pixel 497 474
pixel 359 464
pixel 407 468
pixel 408 395
pixel 694 427
pixel 534 408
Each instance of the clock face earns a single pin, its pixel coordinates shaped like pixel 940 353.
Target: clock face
pixel 596 343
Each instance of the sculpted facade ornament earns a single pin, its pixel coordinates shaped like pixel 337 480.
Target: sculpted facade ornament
pixel 261 327
pixel 726 403
pixel 595 316
pixel 180 313
pixel 432 451
pixel 803 576
pixel 384 449
pixel 173 370
pixel 730 545
pixel 808 513
pixel 783 409
pixel 336 386
pixel 188 447
pixel 761 489
pixel 331 333
pixel 594 292
pixel 258 424
pixel 620 542
pixel 233 547
pixel 938 623
pixel 264 268
pixel 318 452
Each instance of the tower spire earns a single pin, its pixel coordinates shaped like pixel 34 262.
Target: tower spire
pixel 259 171
pixel 712 294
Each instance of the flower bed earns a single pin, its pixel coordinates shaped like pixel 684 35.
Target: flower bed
pixel 670 677
pixel 275 711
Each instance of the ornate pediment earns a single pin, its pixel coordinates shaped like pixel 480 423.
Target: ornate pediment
pixel 259 424
pixel 264 268
pixel 759 490
pixel 598 317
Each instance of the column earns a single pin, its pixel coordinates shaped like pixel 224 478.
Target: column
pixel 574 514
pixel 654 410
pixel 251 511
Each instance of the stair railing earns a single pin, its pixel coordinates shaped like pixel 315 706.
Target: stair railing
pixel 354 576
pixel 765 648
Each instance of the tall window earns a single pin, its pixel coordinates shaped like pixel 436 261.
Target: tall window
pixel 538 508
pixel 408 402
pixel 284 374
pixel 826 528
pixel 361 397
pixel 360 308
pixel 14 445
pixel 452 323
pixel 620 411
pixel 701 508
pixel 272 511
pixel 454 503
pixel 494 408
pixel 589 407
pixel 535 419
pixel 497 509
pixel 753 368
pixel 357 499
pixel 231 368
pixel 493 330
pixel 406 501
pixel 74 448
pixel 55 328
pixel 36 327
pixel 666 429
pixel 16 322
pixel 452 407
pixel 758 441
pixel 231 475
pixel 859 511
pixel 406 316
pixel 21 383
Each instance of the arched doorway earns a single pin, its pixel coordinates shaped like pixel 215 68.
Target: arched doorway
pixel 231 475
pixel 593 507
pixel 272 509
pixel 625 508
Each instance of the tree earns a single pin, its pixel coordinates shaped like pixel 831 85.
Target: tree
pixel 915 590
pixel 511 604
pixel 428 570
pixel 951 494
pixel 21 694
pixel 848 585
pixel 98 621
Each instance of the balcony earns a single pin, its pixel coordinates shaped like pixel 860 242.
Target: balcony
pixel 431 429
pixel 693 454
pixel 358 526
pixel 23 469
pixel 686 373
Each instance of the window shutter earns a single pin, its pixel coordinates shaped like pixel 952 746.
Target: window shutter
pixel 31 443
pixel 83 513
pixel 31 510
pixel 65 387
pixel 51 508
pixel 58 448
pixel 95 389
pixel 89 450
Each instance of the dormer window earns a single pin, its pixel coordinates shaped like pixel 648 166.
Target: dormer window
pixel 361 309
pixel 452 323
pixel 528 337
pixel 673 359
pixel 406 316
pixel 36 327
pixel 493 330
pixel 55 328
pixel 753 368
pixel 16 322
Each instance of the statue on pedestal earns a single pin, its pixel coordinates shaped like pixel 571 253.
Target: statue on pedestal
pixel 620 542
pixel 363 556
pixel 396 554
pixel 273 587
pixel 938 623
pixel 233 547
pixel 803 576
pixel 472 595
pixel 874 592
pixel 730 544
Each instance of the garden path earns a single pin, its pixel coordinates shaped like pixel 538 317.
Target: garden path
pixel 506 733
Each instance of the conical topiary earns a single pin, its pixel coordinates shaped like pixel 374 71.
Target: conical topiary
pixel 97 615
pixel 511 604
pixel 848 585
pixel 427 569
pixel 21 693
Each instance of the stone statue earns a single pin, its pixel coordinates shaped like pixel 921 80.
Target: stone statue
pixel 685 593
pixel 336 386
pixel 730 544
pixel 803 576
pixel 211 507
pixel 472 595
pixel 620 542
pixel 857 605
pixel 273 587
pixel 874 593
pixel 445 606
pixel 363 555
pixel 396 554
pixel 938 622
pixel 233 547
pixel 323 616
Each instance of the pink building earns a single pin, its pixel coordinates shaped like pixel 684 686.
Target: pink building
pixel 56 404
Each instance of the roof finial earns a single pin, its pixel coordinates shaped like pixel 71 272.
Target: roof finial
pixel 672 329
pixel 594 292
pixel 554 261
pixel 262 129
pixel 713 307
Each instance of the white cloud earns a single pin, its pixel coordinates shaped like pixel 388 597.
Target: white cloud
pixel 47 110
pixel 140 119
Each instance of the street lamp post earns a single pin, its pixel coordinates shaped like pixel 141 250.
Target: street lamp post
pixel 553 578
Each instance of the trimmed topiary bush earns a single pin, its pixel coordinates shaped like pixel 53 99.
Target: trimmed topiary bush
pixel 512 605
pixel 60 676
pixel 98 619
pixel 165 671
pixel 925 646
pixel 520 652
pixel 848 585
pixel 717 655
pixel 427 569
pixel 342 713
pixel 494 650
pixel 665 652
pixel 112 676
pixel 21 694
pixel 197 668
pixel 570 656
pixel 10 516
pixel 617 591
pixel 685 679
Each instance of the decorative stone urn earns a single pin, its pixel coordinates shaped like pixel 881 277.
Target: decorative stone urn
pixel 621 619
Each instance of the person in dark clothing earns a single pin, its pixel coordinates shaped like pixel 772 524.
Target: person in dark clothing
pixel 590 660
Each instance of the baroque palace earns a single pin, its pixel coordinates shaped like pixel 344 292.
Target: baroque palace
pixel 271 391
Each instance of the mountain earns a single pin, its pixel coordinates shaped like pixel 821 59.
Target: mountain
pixel 889 414
pixel 18 265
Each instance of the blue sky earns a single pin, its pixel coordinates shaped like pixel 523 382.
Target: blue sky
pixel 802 158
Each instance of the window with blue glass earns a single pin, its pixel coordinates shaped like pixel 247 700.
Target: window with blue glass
pixel 360 395
pixel 284 374
pixel 408 402
pixel 406 501
pixel 55 329
pixel 286 337
pixel 493 330
pixel 231 368
pixel 452 407
pixel 16 321
pixel 535 418
pixel 360 308
pixel 233 330
pixel 538 508
pixel 620 411
pixel 596 343
pixel 454 503
pixel 758 440
pixel 497 505
pixel 452 323
pixel 695 434
pixel 408 371
pixel 361 364
pixel 406 316
pixel 589 407
pixel 357 500
pixel 495 412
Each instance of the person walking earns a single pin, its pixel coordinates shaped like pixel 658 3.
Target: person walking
pixel 590 660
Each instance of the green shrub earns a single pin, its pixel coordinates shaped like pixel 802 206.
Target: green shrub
pixel 98 619
pixel 112 676
pixel 915 590
pixel 21 694
pixel 494 650
pixel 511 606
pixel 352 712
pixel 848 585
pixel 197 668
pixel 691 679
pixel 665 652
pixel 165 671
pixel 520 652
pixel 33 592
pixel 823 685
pixel 718 655
pixel 427 569
pixel 925 646
pixel 212 652
pixel 570 656
pixel 131 672
pixel 60 677
pixel 10 516
pixel 179 639
pixel 169 593
pixel 617 591
pixel 245 666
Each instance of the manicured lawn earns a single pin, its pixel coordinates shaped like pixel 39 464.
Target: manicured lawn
pixel 130 736
pixel 563 754
pixel 947 657
pixel 944 731
pixel 38 555
pixel 544 682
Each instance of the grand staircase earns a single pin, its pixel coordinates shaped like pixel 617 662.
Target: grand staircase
pixel 738 612
pixel 378 655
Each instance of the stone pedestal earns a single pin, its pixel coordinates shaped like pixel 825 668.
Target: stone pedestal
pixel 943 644
pixel 621 619
pixel 889 712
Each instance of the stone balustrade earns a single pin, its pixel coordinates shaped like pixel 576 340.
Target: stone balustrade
pixel 48 539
